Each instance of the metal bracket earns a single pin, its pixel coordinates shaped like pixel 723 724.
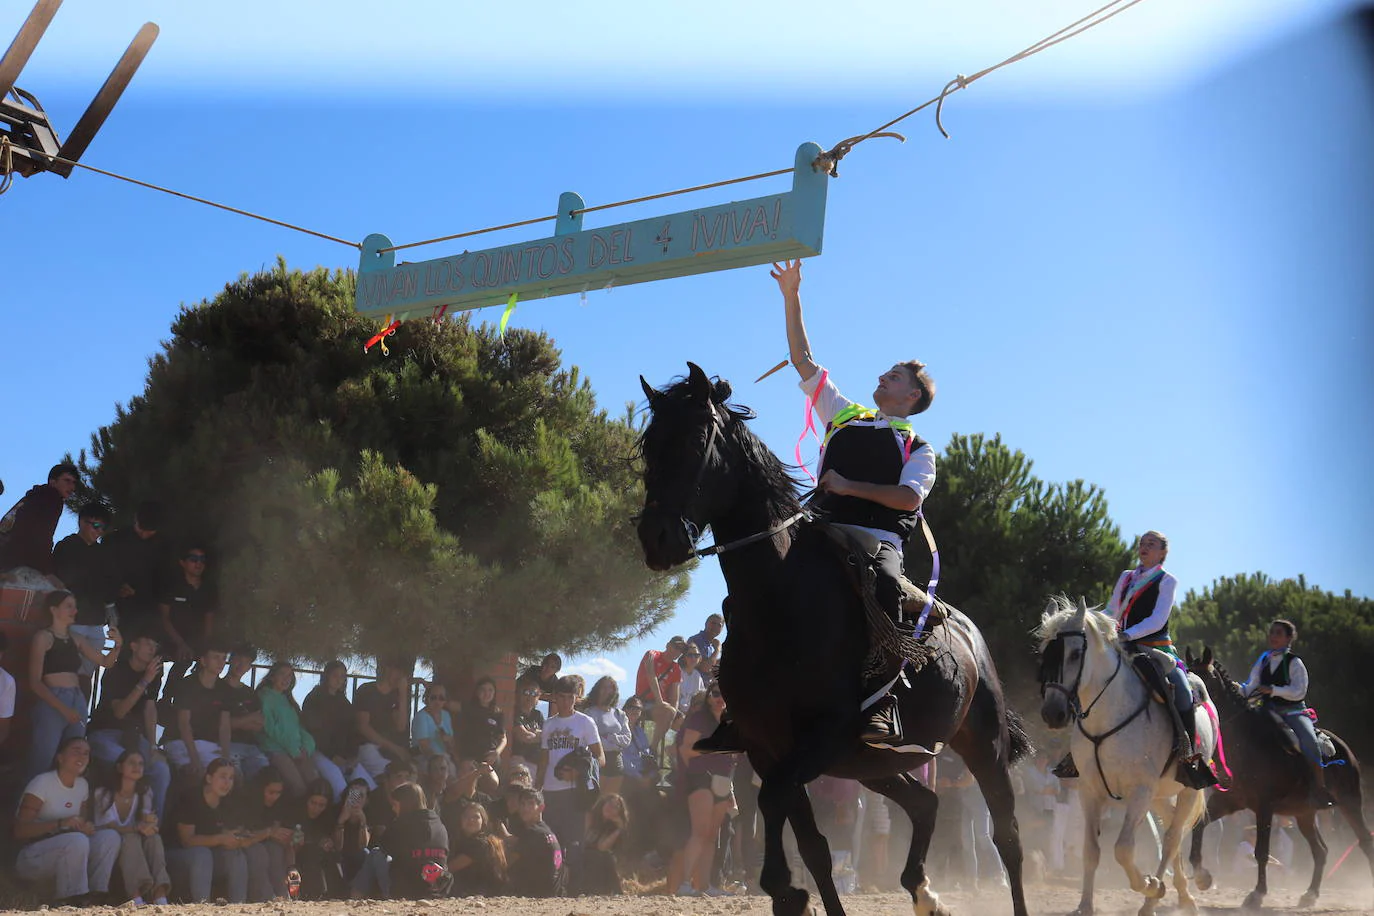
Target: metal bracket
pixel 34 144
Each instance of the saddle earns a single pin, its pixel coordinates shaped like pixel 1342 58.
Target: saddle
pixel 890 647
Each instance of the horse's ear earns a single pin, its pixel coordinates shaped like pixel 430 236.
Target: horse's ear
pixel 721 391
pixel 701 385
pixel 1082 606
pixel 1207 656
pixel 1188 656
pixel 649 391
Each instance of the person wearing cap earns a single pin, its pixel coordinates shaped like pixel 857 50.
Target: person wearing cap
pixel 657 685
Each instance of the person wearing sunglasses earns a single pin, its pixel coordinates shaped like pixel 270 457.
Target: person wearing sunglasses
pixel 187 611
pixel 82 563
pixel 527 726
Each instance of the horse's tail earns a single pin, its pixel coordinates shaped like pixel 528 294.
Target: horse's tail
pixel 1021 746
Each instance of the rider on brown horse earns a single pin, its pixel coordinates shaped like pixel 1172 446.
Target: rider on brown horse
pixel 875 472
pixel 1280 677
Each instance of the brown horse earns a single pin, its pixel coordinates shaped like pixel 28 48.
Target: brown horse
pixel 797 711
pixel 1268 780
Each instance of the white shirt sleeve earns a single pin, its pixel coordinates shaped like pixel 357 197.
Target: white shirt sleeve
pixel 919 471
pixel 828 400
pixel 1252 683
pixel 1297 682
pixel 1159 617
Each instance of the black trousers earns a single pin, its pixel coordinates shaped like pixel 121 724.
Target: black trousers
pixel 888 564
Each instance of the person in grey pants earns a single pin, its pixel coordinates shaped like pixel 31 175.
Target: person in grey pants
pixel 57 843
pixel 205 849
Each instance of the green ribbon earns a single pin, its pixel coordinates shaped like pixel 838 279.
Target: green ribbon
pixel 505 316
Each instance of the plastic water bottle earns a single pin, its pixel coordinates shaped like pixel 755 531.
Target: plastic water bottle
pixel 298 836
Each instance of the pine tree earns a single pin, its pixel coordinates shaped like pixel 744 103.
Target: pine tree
pixel 462 497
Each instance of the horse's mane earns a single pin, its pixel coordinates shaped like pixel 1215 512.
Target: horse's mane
pixel 773 480
pixel 1062 612
pixel 1230 688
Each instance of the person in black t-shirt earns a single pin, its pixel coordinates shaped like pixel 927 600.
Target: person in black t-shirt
pixel 535 855
pixel 318 858
pixel 186 609
pixel 477 857
pixel 544 676
pixel 528 726
pixel 383 720
pixel 201 846
pixel 412 861
pixel 201 709
pixel 380 812
pixel 82 563
pixel 139 560
pixel 245 713
pixel 328 716
pixel 481 726
pixel 126 716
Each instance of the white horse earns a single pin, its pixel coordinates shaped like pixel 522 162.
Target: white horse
pixel 1122 742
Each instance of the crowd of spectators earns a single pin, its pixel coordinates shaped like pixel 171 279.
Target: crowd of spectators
pixel 184 772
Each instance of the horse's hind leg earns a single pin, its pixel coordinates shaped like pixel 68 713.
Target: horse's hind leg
pixel 1307 825
pixel 920 805
pixel 1218 806
pixel 1351 802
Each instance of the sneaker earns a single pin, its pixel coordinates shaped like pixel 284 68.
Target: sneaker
pixel 686 890
pixel 714 891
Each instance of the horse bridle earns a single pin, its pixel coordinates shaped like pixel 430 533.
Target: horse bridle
pixel 693 533
pixel 1079 713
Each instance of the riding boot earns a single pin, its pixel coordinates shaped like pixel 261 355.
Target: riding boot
pixel 1193 771
pixel 1066 768
pixel 882 723
pixel 724 740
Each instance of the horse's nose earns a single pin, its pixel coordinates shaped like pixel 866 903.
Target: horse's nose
pixel 654 538
pixel 1054 711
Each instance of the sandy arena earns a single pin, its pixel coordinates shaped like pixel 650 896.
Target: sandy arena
pixel 1044 899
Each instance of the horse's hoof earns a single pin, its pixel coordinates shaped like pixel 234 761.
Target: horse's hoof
pixel 1253 901
pixel 1203 879
pixel 1308 899
pixel 1154 888
pixel 1084 909
pixel 925 902
pixel 1146 909
pixel 791 902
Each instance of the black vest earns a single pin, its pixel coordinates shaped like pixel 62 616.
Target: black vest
pixel 1280 676
pixel 1141 608
pixel 870 454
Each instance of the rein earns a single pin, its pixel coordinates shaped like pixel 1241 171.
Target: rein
pixel 717 549
pixel 1079 713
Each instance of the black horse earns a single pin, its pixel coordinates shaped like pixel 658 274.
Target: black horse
pixel 1268 780
pixel 797 640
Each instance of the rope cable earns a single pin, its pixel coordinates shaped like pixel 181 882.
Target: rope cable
pixel 826 161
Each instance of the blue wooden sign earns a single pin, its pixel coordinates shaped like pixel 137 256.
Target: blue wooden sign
pixel 573 260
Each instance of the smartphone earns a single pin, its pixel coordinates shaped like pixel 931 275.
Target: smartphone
pixel 354 797
pixel 111 616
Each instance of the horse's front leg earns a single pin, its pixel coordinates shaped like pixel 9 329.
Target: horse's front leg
pixel 1219 804
pixel 1187 809
pixel 814 849
pixel 1307 825
pixel 1137 804
pixel 1264 823
pixel 776 878
pixel 1092 849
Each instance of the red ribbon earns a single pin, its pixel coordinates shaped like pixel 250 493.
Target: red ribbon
pixel 381 335
pixel 810 425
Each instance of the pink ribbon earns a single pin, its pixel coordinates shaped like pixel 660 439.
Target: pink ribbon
pixel 1221 745
pixel 809 425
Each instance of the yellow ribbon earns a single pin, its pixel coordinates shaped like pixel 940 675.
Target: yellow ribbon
pixel 505 316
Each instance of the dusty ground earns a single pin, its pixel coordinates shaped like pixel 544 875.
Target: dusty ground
pixel 1043 900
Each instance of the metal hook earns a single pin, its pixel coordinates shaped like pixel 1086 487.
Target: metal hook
pixel 959 82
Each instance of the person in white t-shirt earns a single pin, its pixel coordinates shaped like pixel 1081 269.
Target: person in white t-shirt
pixel 59 840
pixel 565 802
pixel 8 692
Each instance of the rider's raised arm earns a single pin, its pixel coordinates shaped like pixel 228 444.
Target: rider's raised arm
pixel 788 276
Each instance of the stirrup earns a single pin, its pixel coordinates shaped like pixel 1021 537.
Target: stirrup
pixel 1066 768
pixel 724 740
pixel 882 725
pixel 1195 773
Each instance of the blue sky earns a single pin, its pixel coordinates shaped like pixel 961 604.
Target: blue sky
pixel 1142 257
